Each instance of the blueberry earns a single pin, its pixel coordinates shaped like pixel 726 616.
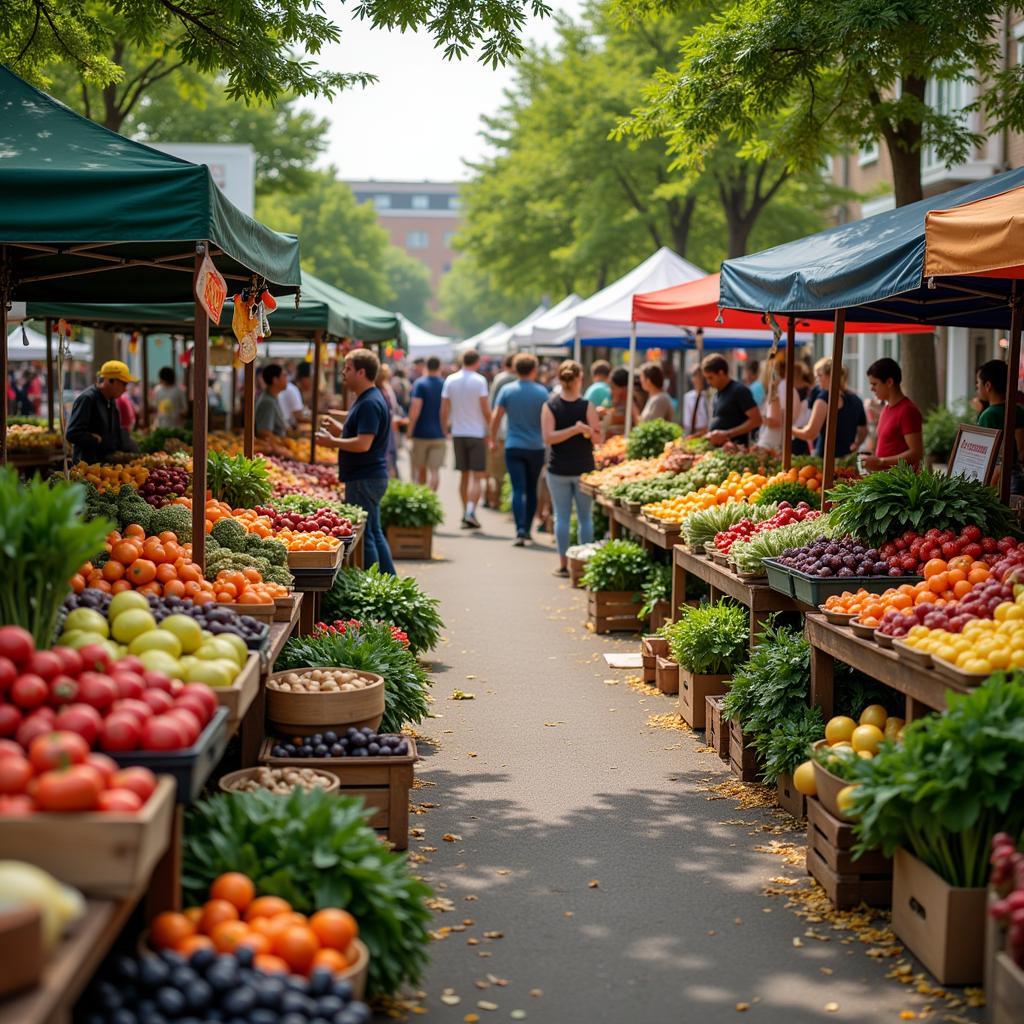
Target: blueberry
pixel 328 1006
pixel 320 750
pixel 269 992
pixel 293 1018
pixel 123 1016
pixel 222 977
pixel 361 752
pixel 239 1001
pixel 153 972
pixel 183 976
pixel 127 967
pixel 305 750
pixel 343 989
pixel 279 751
pixel 202 959
pixel 171 958
pixel 296 1002
pixel 330 737
pixel 244 955
pixel 109 996
pixel 320 981
pixel 263 1015
pixel 358 741
pixel 170 1001
pixel 356 1013
pixel 337 750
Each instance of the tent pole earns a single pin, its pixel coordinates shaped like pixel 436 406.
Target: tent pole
pixel 249 409
pixel 145 381
pixel 632 360
pixel 314 404
pixel 49 374
pixel 200 363
pixel 1010 411
pixel 577 346
pixel 5 286
pixel 234 395
pixel 831 421
pixel 787 419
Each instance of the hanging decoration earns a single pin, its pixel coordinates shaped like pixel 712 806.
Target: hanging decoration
pixel 133 343
pixel 250 318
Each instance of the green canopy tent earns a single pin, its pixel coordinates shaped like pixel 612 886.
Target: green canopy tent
pixel 322 312
pixel 87 215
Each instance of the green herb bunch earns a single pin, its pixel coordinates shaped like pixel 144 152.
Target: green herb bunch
pixel 406 504
pixel 954 782
pixel 658 587
pixel 372 595
pixel 749 555
pixel 156 439
pixel 241 482
pixel 648 440
pixel 653 488
pixel 789 744
pixel 369 647
pixel 619 565
pixel 44 539
pixel 701 527
pixel 710 639
pixel 315 850
pixel 786 490
pixel 887 504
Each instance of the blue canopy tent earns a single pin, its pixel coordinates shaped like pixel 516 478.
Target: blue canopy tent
pixel 874 269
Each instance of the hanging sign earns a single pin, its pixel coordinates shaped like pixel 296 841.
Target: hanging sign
pixel 975 452
pixel 211 289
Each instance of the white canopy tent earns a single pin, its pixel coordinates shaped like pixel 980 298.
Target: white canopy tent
pixel 35 350
pixel 522 333
pixel 421 344
pixel 480 339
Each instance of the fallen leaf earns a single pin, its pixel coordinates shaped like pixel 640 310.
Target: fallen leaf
pixel 471 677
pixel 742 1007
pixel 462 695
pixel 831 1007
pixel 471 753
pixel 451 1000
pixel 484 953
pixel 485 1005
pixel 471 1018
pixel 501 871
pixel 482 984
pixel 472 942
pixel 518 1015
pixel 798 943
pixel 471 899
pixel 450 837
pixel 593 884
pixel 568 913
pixel 495 980
pixel 536 992
pixel 494 935
pixel 468 921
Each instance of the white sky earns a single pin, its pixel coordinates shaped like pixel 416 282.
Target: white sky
pixel 422 118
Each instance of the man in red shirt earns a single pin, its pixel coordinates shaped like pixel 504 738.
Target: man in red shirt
pixel 898 438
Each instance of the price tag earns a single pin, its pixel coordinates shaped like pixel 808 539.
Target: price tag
pixel 211 290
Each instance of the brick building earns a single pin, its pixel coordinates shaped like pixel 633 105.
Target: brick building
pixel 421 217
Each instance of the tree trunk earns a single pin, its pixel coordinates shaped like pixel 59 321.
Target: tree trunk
pixel 680 221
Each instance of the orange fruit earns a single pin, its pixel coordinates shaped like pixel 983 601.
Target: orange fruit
pixel 270 964
pixel 331 959
pixel 165 572
pixel 228 934
pixel 216 912
pixel 933 567
pixel 297 946
pixel 134 530
pixel 334 928
pixel 256 942
pixel 170 928
pixel 978 574
pixel 173 588
pixel 234 887
pixel 267 906
pixel 194 914
pixel 188 946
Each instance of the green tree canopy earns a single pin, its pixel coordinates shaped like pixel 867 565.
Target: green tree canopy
pixel 409 281
pixel 471 299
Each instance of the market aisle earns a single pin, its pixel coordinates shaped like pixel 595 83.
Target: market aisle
pixel 587 838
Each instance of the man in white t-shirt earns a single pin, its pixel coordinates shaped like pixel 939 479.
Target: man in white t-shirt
pixel 465 415
pixel 291 402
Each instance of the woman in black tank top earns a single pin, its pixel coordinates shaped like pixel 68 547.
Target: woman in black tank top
pixel 570 425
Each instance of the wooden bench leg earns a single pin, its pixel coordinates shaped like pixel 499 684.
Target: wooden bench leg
pixel 915 709
pixel 678 588
pixel 252 729
pixel 400 790
pixel 822 681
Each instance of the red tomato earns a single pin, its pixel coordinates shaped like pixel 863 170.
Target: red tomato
pixel 128 683
pixel 17 806
pixel 63 689
pixel 31 727
pixel 163 732
pixel 72 789
pixel 57 750
pixel 45 664
pixel 8 673
pixel 106 766
pixel 95 657
pixel 29 691
pixel 159 700
pixel 157 679
pixel 14 774
pixel 118 801
pixel 80 718
pixel 10 719
pixel 205 694
pixel 189 720
pixel 9 747
pixel 121 731
pixel 17 644
pixel 70 659
pixel 141 781
pixel 129 663
pixel 139 708
pixel 97 689
pixel 190 702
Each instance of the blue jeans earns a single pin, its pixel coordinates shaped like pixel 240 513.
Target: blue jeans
pixel 524 466
pixel 367 494
pixel 564 490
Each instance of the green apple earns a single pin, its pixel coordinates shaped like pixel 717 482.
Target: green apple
pixel 78 638
pixel 213 673
pixel 161 661
pixel 186 629
pixel 126 601
pixel 132 623
pixel 88 620
pixel 156 640
pixel 213 649
pixel 239 645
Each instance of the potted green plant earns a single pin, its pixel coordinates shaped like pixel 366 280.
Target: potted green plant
pixel 409 512
pixel 708 643
pixel 936 801
pixel 614 578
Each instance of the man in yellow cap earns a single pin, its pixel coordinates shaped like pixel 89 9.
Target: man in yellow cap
pixel 94 427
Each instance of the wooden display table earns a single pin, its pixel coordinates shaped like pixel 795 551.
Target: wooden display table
pixel 758 597
pixel 650 534
pixel 924 689
pixel 355 553
pixel 71 967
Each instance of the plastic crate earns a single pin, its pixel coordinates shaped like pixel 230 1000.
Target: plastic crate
pixel 815 590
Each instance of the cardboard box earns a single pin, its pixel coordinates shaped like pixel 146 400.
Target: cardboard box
pixel 694 689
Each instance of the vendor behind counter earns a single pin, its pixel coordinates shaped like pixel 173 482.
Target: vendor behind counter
pixel 94 427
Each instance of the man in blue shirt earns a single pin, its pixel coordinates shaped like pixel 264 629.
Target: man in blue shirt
pixel 428 440
pixel 362 444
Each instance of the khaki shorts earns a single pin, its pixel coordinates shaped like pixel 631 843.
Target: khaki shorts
pixel 428 453
pixel 496 461
pixel 470 454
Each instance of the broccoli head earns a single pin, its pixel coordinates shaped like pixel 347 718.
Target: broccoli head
pixel 279 574
pixel 176 518
pixel 273 551
pixel 230 533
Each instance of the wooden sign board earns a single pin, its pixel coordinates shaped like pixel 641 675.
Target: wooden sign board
pixel 211 290
pixel 975 452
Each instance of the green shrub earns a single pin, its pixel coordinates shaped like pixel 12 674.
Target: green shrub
pixel 786 490
pixel 619 565
pixel 710 639
pixel 410 505
pixel 939 429
pixel 657 588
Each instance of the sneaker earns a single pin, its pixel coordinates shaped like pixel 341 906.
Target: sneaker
pixel 519 542
pixel 562 573
pixel 466 525
pixel 471 522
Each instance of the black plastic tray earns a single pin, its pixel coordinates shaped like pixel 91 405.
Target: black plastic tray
pixel 190 768
pixel 815 590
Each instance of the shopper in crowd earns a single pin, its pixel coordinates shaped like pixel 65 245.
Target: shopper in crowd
pixel 465 415
pixel 33 393
pixel 398 420
pixel 169 400
pixel 496 453
pixel 290 399
pixel 94 427
pixel 128 415
pixel 269 422
pixel 522 402
pixel 402 388
pixel 569 425
pixel 425 430
pixel 658 405
pixel 599 394
pixel 615 414
pixel 362 443
pixel 773 409
pixel 753 377
pixel 991 384
pixel 899 436
pixel 734 414
pixel 851 422
pixel 697 405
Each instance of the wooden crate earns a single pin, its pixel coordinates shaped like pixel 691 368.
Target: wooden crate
pixel 383 783
pixel 285 606
pixel 846 881
pixel 1006 997
pixel 576 568
pixel 612 611
pixel 789 797
pixel 21 947
pixel 666 675
pixel 694 689
pixel 316 559
pixel 716 730
pixel 411 541
pixel 238 697
pixel 107 855
pixel 650 647
pixel 660 614
pixel 742 759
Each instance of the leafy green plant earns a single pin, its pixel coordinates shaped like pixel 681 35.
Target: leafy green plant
pixel 376 596
pixel 44 539
pixel 406 504
pixel 658 587
pixel 709 639
pixel 789 743
pixel 887 504
pixel 369 647
pixel 786 490
pixel 954 781
pixel 647 440
pixel 315 850
pixel 938 432
pixel 700 528
pixel 156 439
pixel 619 565
pixel 749 555
pixel 241 482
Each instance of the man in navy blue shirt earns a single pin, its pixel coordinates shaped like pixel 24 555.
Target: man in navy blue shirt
pixel 428 440
pixel 362 444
